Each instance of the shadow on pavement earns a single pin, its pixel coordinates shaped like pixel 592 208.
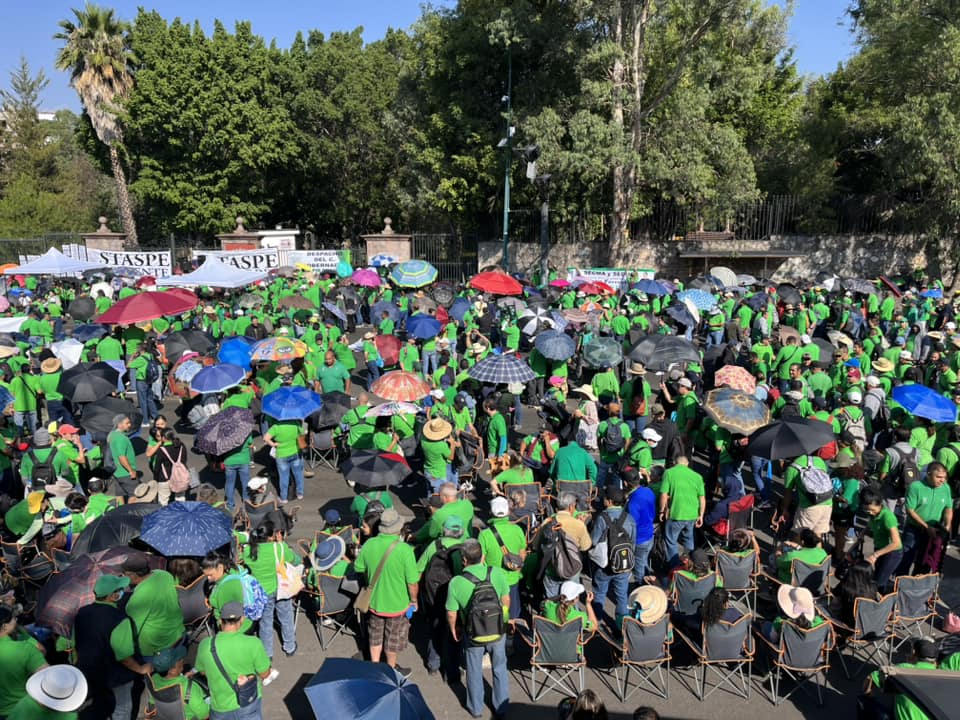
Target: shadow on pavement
pixel 296 700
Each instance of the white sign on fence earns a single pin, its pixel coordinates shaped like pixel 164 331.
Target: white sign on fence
pixel 148 262
pixel 243 259
pixel 319 260
pixel 616 278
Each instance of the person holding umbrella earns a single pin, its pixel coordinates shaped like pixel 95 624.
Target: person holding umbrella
pixel 139 367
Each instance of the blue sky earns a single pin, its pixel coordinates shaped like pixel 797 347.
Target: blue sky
pixel 818 30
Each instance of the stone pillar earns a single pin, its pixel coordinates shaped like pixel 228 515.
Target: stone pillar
pixel 388 242
pixel 104 238
pixel 239 238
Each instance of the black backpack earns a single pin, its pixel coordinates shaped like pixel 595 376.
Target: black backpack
pixel 880 421
pixel 613 439
pixel 484 616
pixel 559 551
pixel 620 546
pixel 790 409
pixel 907 471
pixel 438 574
pixel 153 371
pixel 42 472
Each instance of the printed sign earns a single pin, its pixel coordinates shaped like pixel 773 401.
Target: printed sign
pixel 319 260
pixel 616 278
pixel 147 262
pixel 261 260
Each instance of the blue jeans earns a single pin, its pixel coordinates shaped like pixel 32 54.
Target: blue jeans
pixel 287 466
pixel 148 407
pixel 637 423
pixel 253 711
pixel 435 483
pixel 373 373
pixel 122 701
pixel 602 582
pixel 28 417
pixel 678 531
pixel 762 476
pixel 442 651
pixel 430 363
pixel 731 471
pixel 603 470
pixel 231 474
pixel 715 337
pixel 473 657
pixel 56 410
pixel 284 614
pixel 641 553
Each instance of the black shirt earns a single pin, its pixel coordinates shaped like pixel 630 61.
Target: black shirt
pixel 95 658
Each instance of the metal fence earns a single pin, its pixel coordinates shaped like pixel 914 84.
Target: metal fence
pixel 13 249
pixel 454 255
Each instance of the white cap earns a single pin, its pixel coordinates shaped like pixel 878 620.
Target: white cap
pixel 873 381
pixel 499 507
pixel 906 355
pixel 685 382
pixel 239 312
pixel 951 325
pixel 805 339
pixel 437 393
pixel 257 482
pixel 571 590
pixel 854 396
pixel 651 434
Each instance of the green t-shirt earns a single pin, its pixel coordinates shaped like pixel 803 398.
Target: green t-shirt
pixel 120 446
pixel 514 539
pixel 139 366
pixel 927 502
pixel 19 659
pixel 333 378
pixel 155 609
pixel 110 349
pixel 228 589
pixel 496 435
pixel 196 708
pixel 791 479
pixel 461 590
pixel 435 455
pixel 285 434
pixel 264 567
pixel 685 488
pixel 391 596
pixel 811 556
pixel 240 456
pixel 24 389
pixel 551 612
pixel 49 385
pixel 30 709
pixel 240 655
pixel 433 529
pixel 880 527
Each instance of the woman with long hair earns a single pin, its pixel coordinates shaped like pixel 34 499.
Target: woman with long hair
pixel 859 582
pixel 171 451
pixel 266 550
pixel 223 581
pixel 716 607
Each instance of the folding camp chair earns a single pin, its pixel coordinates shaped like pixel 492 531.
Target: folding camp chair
pixel 39 569
pixel 332 608
pixel 644 649
pixel 871 638
pixel 557 653
pixel 168 703
pixel 739 575
pixel 816 578
pixel 323 449
pixel 256 514
pixel 916 606
pixel 585 491
pixel 688 594
pixel 800 655
pixel 61 558
pixel 727 650
pixel 533 492
pixel 739 517
pixel 12 562
pixel 196 613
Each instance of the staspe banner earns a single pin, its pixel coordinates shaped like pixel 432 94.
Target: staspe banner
pixel 148 262
pixel 243 259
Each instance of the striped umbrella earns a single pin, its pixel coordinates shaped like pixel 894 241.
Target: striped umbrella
pixel 739 378
pixel 400 385
pixel 413 273
pixel 502 369
pixel 278 348
pixel 736 411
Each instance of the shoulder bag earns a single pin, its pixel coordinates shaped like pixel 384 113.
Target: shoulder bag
pixel 362 603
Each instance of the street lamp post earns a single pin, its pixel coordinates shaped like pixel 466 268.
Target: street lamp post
pixel 507 163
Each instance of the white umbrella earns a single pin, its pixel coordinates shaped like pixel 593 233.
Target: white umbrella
pixel 692 308
pixel 68 351
pixel 97 287
pixel 724 274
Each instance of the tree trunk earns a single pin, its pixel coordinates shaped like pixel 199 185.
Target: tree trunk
pixel 123 198
pixel 622 190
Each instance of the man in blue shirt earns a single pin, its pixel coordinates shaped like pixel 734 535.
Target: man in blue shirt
pixel 642 506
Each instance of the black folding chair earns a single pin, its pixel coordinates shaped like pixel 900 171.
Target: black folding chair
pixel 689 594
pixel 739 575
pixel 323 449
pixel 256 514
pixel 585 490
pixel 727 652
pixel 332 607
pixel 645 650
pixel 801 655
pixel 557 654
pixel 196 613
pixel 169 703
pixel 916 606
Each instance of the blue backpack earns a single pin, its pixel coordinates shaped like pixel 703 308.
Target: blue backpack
pixel 254 598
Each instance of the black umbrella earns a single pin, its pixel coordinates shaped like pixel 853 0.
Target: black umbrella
pixel 826 351
pixel 859 285
pixel 444 295
pixel 83 308
pixel 98 417
pixel 83 333
pixel 177 343
pixel 659 352
pixel 225 431
pixel 789 438
pixel 789 294
pixel 757 301
pixel 114 529
pixel 681 314
pixel 89 382
pixel 335 406
pixel 373 469
pixel 643 348
pixel 935 691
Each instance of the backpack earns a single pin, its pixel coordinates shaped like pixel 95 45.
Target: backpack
pixel 560 552
pixel 484 616
pixel 42 472
pixel 881 421
pixel 790 409
pixel 620 546
pixel 613 439
pixel 908 471
pixel 179 477
pixel 815 483
pixel 153 371
pixel 254 597
pixel 437 575
pixel 857 427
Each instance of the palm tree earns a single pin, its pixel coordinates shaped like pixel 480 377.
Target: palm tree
pixel 98 56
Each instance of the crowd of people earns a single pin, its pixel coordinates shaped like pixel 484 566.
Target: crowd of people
pixel 564 447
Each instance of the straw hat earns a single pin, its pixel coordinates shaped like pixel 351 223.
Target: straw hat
pixel 145 492
pixel 882 365
pixel 648 603
pixel 586 391
pixel 796 601
pixel 369 335
pixel 51 365
pixel 636 368
pixel 476 349
pixel 61 688
pixel 437 429
pixel 7 351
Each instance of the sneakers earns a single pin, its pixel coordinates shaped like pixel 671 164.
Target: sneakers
pixel 308 473
pixel 274 674
pixel 299 497
pixel 291 653
pixel 281 502
pixel 765 505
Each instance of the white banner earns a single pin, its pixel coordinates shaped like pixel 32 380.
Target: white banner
pixel 616 278
pixel 319 260
pixel 148 262
pixel 243 259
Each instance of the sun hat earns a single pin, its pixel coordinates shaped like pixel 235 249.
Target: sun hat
pixel 652 435
pixel 437 429
pixel 62 688
pixel 906 355
pixel 109 584
pixel 571 590
pixel 145 492
pixel 854 396
pixel 166 659
pixel 648 603
pixel 60 489
pixel 499 507
pixel 686 383
pixel 844 460
pixel 255 483
pixel 370 335
pixel 636 368
pixel 882 365
pixel 796 601
pixel 390 522
pixel 51 365
pixel 586 391
pixel 329 552
pixel 476 349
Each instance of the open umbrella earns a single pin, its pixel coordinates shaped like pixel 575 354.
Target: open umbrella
pixel 383 260
pixel 725 275
pixel 236 351
pixel 651 287
pixel 838 338
pixel 392 408
pixel 735 376
pixel 149 306
pixel 115 528
pixel 933 294
pixel 389 348
pixel 399 385
pixel 68 351
pixel 512 303
pixel 757 301
pixel 217 378
pixel 250 300
pixel 104 287
pixel 335 406
pixel 681 313
pixel 187 368
pixel 335 311
pixel 786 331
pixel 291 403
pixel 423 304
pixel 745 280
pixel 789 294
pixel 378 309
pixel 423 327
pixel 83 333
pixel 225 431
pixel 789 438
pixel 534 319
pixel 502 369
pixel 366 277
pixel 578 317
pixel 460 307
pixel 364 691
pixel 97 417
pixel 933 691
pixel 603 352
pixel 177 343
pixel 296 302
pixel 859 285
pixel 659 352
pixel 369 468
pixel 82 308
pixel 186 529
pixel 413 273
pixel 701 299
pixel 736 411
pixel 496 283
pixel 277 349
pixel 88 382
pixel 924 402
pixel 444 295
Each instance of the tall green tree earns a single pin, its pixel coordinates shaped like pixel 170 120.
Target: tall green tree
pixel 97 55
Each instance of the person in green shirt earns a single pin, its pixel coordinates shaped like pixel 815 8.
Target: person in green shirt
pixel 55 692
pixel 223 578
pixel 153 607
pixel 809 514
pixel 42 452
pixel 682 505
pixel 70 448
pixel 284 437
pixel 24 388
pixel 502 536
pixel 123 454
pixel 371 356
pixel 265 552
pixel 563 608
pixel 168 671
pixel 19 659
pixel 332 375
pixel 450 504
pixel 497 437
pixel 236 469
pixel 929 508
pixel 244 661
pixel 884 527
pixel 613 439
pixel 439 449
pixel 802 544
pixel 48 385
pixel 923 656
pixel 606 386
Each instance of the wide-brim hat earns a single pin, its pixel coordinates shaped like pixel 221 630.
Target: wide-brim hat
pixel 586 391
pixel 145 492
pixel 51 365
pixel 61 688
pixel 329 552
pixel 796 601
pixel 390 522
pixel 882 365
pixel 61 488
pixel 369 335
pixel 437 429
pixel 648 603
pixel 636 368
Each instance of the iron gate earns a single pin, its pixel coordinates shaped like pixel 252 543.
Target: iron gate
pixel 454 256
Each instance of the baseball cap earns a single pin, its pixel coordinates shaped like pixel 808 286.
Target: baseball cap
pixel 135 562
pixel 854 396
pixel 453 524
pixel 109 584
pixel 499 507
pixel 652 435
pixel 232 611
pixel 41 437
pixel 685 382
pixel 255 483
pixel 331 516
pixel 68 429
pixel 571 590
pixel 166 659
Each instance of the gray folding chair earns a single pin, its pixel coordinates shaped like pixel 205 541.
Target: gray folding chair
pixel 332 608
pixel 169 702
pixel 688 594
pixel 557 654
pixel 12 561
pixel 39 569
pixel 815 578
pixel 644 649
pixel 726 651
pixel 585 490
pixel 533 492
pixel 916 606
pixel 256 514
pixel 739 575
pixel 323 449
pixel 871 638
pixel 801 655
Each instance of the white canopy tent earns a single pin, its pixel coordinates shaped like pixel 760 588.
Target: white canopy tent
pixel 214 273
pixel 54 262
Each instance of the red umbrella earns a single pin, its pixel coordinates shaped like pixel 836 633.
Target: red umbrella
pixel 604 288
pixel 149 306
pixel 442 315
pixel 401 386
pixel 389 348
pixel 146 280
pixel 497 283
pixel 736 377
pixel 590 288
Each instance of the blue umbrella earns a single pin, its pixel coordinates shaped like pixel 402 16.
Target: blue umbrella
pixel 681 314
pixel 926 403
pixel 933 293
pixel 5 397
pixel 344 269
pixel 236 351
pixel 382 260
pixel 335 311
pixel 413 273
pixel 378 309
pixel 364 691
pixel 502 369
pixel 188 529
pixel 701 299
pixel 423 327
pixel 291 403
pixel 217 378
pixel 554 345
pixel 83 333
pixel 461 306
pixel 651 287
